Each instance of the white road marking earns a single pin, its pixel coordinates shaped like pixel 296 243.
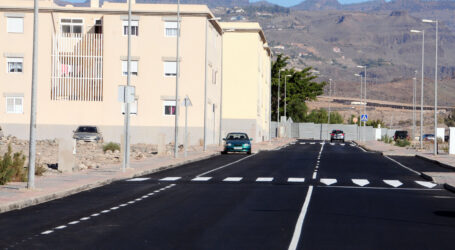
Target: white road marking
pixel 131 202
pixel 85 218
pixel 105 211
pixel 296 179
pixel 61 227
pixel 201 179
pixel 124 205
pixel 114 208
pixel 315 174
pixel 360 182
pixel 342 144
pixel 227 165
pixel 329 182
pixel 332 143
pixel 302 143
pixel 73 222
pixel 426 184
pixel 352 145
pixel 393 183
pixel 300 220
pixel 139 179
pixel 47 232
pixel 233 179
pixel 384 188
pixel 322 143
pixel 170 179
pixel 362 149
pixel 264 179
pixel 312 143
pixel 145 196
pixel 138 199
pixel 401 165
pixel 94 215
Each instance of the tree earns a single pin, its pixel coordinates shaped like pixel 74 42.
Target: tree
pixel 300 88
pixel 450 119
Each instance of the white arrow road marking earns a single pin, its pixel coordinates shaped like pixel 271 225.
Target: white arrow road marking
pixel 264 179
pixel 201 179
pixel 293 179
pixel 139 179
pixel 171 179
pixel 426 184
pixel 233 179
pixel 329 182
pixel 360 182
pixel 393 183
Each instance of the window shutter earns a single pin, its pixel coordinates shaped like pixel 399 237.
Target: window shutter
pixel 125 67
pixel 170 25
pixel 9 105
pixel 15 24
pixel 134 66
pixel 170 68
pixel 18 105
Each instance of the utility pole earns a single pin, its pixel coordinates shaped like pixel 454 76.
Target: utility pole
pixel 32 142
pixel 177 77
pixel 278 97
pixel 414 106
pixel 285 96
pixel 330 95
pixel 126 153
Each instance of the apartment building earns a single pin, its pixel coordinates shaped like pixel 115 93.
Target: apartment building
pixel 246 79
pixel 82 61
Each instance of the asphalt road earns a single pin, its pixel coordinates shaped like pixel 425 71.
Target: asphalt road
pixel 309 195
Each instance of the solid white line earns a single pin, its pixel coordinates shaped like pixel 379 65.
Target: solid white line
pixel 401 165
pixel 227 165
pixel 233 179
pixel 294 179
pixel 264 179
pixel 47 232
pixel 171 179
pixel 201 179
pixel 362 149
pixel 300 220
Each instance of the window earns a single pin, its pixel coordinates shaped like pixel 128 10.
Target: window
pixel 72 26
pixel 14 105
pixel 98 26
pixel 214 75
pixel 15 25
pixel 134 28
pixel 14 65
pixel 170 68
pixel 169 107
pixel 170 28
pixel 133 68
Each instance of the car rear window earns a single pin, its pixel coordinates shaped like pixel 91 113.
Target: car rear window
pixel 87 130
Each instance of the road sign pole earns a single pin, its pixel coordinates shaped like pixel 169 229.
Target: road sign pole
pixel 186 129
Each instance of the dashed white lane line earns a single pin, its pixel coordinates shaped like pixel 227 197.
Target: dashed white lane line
pixel 332 144
pixel 296 179
pixel 85 218
pixel 328 182
pixel 227 165
pixel 426 184
pixel 61 227
pixel 94 215
pixel 47 232
pixel 201 179
pixel 342 144
pixel 360 182
pixel 312 143
pixel 300 221
pixel 393 183
pixel 114 208
pixel 171 179
pixel 315 174
pixel 264 179
pixel 302 143
pixel 401 165
pixel 105 211
pixel 73 222
pixel 138 179
pixel 233 179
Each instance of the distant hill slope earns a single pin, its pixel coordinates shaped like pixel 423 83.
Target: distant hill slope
pixel 210 3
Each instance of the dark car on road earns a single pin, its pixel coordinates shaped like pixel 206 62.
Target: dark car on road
pixel 237 142
pixel 88 134
pixel 337 135
pixel 401 135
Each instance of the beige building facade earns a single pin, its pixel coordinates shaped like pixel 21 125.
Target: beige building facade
pixel 82 61
pixel 246 80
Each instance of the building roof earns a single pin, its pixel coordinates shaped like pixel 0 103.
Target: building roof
pixel 246 27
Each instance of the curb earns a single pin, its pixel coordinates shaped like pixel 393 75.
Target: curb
pixel 435 161
pixel 58 195
pixel 449 187
pixel 426 177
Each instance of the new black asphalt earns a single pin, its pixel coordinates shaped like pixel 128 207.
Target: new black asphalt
pixel 304 196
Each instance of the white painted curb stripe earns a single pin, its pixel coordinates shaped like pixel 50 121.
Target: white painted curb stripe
pixel 171 179
pixel 300 220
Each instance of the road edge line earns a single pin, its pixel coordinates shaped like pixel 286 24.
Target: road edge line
pixel 299 225
pixel 226 165
pixel 403 166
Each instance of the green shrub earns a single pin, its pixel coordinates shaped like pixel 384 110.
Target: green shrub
pixel 12 167
pixel 40 170
pixel 402 143
pixel 111 146
pixel 387 139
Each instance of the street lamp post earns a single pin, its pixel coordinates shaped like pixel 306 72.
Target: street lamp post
pixel 177 77
pixel 330 95
pixel 421 87
pixel 360 110
pixel 278 97
pixel 435 88
pixel 285 96
pixel 365 96
pixel 414 105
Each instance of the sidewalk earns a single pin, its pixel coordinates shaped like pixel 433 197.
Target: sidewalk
pixel 444 159
pixel 16 195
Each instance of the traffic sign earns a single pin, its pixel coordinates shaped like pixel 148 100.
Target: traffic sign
pixel 364 118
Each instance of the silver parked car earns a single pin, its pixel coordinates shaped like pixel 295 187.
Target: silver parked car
pixel 88 134
pixel 337 135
